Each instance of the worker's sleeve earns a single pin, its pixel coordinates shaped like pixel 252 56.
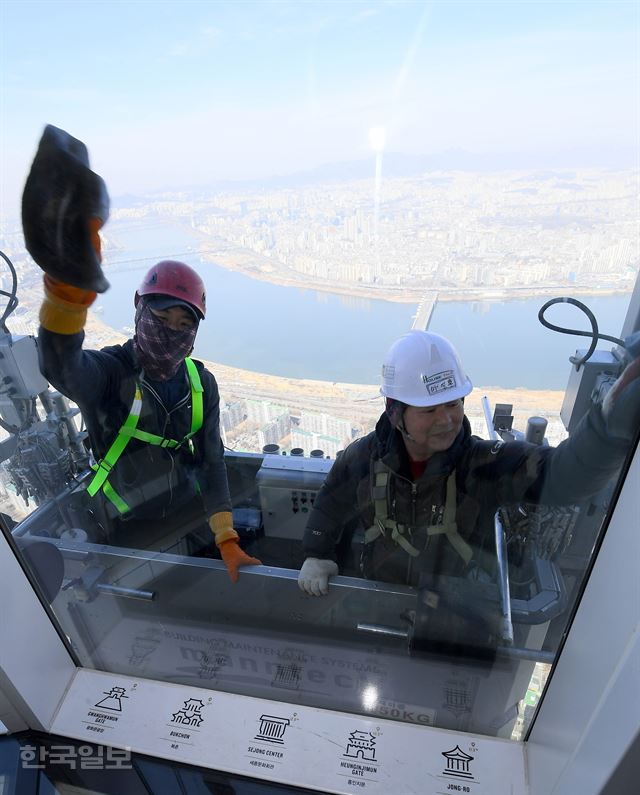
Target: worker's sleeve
pixel 336 505
pixel 576 469
pixel 80 375
pixel 584 463
pixel 213 473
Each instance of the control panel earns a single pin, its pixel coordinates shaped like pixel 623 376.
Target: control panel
pixel 288 487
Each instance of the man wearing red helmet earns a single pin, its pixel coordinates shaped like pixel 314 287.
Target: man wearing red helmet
pixel 152 412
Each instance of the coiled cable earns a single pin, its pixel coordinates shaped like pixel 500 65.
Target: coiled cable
pixel 594 333
pixel 12 303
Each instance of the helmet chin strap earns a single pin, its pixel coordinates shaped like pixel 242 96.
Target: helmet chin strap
pixel 404 431
pixel 392 407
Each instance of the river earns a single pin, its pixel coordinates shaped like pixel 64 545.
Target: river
pixel 299 333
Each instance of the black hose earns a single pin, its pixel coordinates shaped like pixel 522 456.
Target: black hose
pixel 594 333
pixel 12 303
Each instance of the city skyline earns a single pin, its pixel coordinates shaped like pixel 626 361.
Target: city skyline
pixel 494 233
pixel 442 237
pixel 196 93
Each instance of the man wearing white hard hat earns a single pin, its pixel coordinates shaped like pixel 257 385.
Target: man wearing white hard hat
pixel 424 492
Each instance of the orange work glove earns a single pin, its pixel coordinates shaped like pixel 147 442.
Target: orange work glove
pixel 64 309
pixel 226 539
pixel 95 224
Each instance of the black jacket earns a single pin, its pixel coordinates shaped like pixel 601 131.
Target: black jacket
pixel 488 475
pixel 154 482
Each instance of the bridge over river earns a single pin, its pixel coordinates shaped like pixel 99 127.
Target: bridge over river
pixel 422 318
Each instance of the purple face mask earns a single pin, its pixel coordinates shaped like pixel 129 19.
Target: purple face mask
pixel 160 349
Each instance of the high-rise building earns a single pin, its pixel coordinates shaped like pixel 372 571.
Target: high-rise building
pixel 327 425
pixel 232 415
pixel 262 411
pixel 308 441
pixel 274 431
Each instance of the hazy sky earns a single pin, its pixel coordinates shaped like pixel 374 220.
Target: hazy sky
pixel 175 94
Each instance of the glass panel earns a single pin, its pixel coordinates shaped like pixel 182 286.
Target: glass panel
pixel 462 531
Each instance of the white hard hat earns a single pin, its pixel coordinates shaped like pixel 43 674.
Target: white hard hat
pixel 424 369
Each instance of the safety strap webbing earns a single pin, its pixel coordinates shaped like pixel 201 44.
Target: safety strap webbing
pixel 197 412
pixel 112 495
pixel 118 445
pixel 399 532
pixel 449 525
pixel 129 431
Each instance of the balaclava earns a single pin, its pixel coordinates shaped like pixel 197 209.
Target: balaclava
pixel 160 350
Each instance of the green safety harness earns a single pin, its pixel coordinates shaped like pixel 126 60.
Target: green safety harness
pixel 129 430
pixel 402 534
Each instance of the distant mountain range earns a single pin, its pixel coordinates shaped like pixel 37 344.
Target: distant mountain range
pixel 395 164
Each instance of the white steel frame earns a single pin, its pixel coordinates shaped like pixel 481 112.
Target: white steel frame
pixel 587 723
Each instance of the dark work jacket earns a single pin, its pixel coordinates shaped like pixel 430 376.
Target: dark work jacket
pixel 155 482
pixel 488 475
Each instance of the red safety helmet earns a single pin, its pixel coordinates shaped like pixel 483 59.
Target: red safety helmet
pixel 177 280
